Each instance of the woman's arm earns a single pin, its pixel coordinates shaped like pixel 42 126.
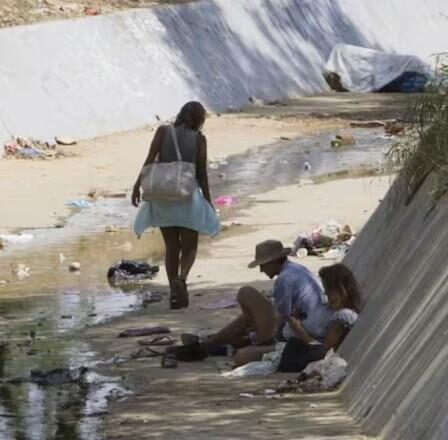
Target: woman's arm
pixel 335 335
pixel 299 330
pixel 154 150
pixel 201 167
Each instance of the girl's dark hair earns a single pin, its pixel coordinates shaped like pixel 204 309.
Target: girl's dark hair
pixel 191 115
pixel 340 277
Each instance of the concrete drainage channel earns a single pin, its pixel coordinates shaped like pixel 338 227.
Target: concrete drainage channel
pixel 128 68
pixel 42 328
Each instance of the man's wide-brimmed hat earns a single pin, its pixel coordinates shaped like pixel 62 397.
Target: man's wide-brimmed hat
pixel 267 251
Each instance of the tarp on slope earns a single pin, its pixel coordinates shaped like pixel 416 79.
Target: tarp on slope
pixel 367 70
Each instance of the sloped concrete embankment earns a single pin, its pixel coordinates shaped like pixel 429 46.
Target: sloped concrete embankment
pixel 93 76
pixel 397 386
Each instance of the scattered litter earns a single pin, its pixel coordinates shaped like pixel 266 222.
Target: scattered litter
pixel 323 375
pixel 131 270
pixel 169 361
pixel 79 204
pixel 66 316
pixel 145 352
pixel 158 341
pixel 246 395
pixel 256 101
pixel 16 238
pixel 332 370
pixel 74 267
pixel 64 141
pixel 58 376
pixel 226 201
pixel 59 224
pixel 145 331
pixel 394 128
pixel 285 138
pixel 330 240
pixel 343 139
pixel 268 365
pixel 226 303
pixel 91 11
pixel 367 124
pixel 151 298
pixel 307 166
pixel 20 270
pixel 27 148
pixel 313 405
pixel 61 258
pixel 111 229
pixel 269 392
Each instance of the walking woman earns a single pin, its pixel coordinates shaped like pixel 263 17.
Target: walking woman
pixel 180 221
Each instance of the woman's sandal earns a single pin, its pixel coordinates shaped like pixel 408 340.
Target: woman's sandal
pixel 145 352
pixel 179 294
pixel 169 360
pixel 157 341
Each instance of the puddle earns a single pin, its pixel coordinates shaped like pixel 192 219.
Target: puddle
pixel 41 314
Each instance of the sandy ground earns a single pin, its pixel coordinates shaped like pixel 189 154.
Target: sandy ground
pixel 34 192
pixel 194 401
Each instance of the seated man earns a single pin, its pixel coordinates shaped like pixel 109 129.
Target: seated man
pixel 297 292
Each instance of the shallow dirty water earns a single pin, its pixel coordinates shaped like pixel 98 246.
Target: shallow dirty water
pixel 41 314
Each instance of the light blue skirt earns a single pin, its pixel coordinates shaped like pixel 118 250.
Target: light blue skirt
pixel 195 213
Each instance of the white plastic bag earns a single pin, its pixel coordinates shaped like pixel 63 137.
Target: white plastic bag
pixel 332 369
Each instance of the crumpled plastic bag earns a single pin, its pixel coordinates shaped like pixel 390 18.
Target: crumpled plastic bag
pixel 332 370
pixel 268 365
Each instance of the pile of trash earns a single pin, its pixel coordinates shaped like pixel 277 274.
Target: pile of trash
pixel 324 375
pixel 28 148
pixel 330 241
pixel 131 271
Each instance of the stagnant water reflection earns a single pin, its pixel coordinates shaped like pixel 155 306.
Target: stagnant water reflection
pixel 41 314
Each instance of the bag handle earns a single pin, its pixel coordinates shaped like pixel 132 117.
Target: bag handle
pixel 176 144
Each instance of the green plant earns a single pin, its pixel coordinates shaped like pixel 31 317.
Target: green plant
pixel 425 151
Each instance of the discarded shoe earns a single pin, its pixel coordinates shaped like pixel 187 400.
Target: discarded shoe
pixel 188 353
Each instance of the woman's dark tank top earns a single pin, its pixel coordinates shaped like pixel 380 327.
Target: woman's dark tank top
pixel 188 145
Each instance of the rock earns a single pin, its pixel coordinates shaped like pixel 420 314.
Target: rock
pixel 394 128
pixel 66 316
pixel 64 141
pixel 74 267
pixel 367 124
pixel 59 224
pixel 346 139
pixel 285 138
pixel 111 229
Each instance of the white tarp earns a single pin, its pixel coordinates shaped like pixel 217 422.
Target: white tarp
pixel 367 70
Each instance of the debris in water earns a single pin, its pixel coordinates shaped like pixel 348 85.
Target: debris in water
pixel 145 331
pixel 58 376
pixel 74 267
pixel 79 204
pixel 131 270
pixel 16 238
pixel 20 270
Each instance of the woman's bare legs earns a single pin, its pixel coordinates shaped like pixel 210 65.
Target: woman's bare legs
pixel 189 248
pixel 171 237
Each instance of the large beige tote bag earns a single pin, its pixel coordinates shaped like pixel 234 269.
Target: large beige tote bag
pixel 171 181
